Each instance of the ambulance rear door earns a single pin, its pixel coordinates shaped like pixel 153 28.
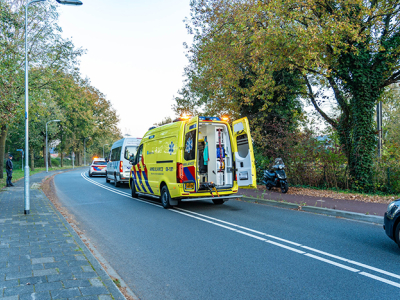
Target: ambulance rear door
pixel 244 155
pixel 190 182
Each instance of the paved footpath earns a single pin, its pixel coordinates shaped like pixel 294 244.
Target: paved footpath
pixel 356 210
pixel 41 256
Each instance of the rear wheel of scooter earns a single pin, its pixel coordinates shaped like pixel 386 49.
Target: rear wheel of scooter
pixel 218 201
pixel 165 197
pixel 268 187
pixel 285 188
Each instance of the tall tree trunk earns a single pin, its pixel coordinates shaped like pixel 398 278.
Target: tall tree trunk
pixel 3 136
pixel 32 160
pixel 364 142
pixel 62 158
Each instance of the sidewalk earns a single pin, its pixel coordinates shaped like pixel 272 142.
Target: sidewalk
pixel 358 210
pixel 41 256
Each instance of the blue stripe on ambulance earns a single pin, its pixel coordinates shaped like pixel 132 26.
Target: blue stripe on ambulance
pixel 147 182
pixel 141 183
pixel 135 180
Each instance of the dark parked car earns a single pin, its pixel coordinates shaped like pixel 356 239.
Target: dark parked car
pixel 392 221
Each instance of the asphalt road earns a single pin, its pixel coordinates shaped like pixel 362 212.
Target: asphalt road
pixel 237 250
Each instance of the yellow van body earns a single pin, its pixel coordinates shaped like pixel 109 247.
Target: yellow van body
pixel 197 159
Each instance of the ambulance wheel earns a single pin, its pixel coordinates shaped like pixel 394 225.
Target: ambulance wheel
pixel 165 197
pixel 90 174
pixel 133 190
pixel 218 201
pixel 116 183
pixel 107 180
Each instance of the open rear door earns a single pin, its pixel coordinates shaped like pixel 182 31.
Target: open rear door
pixel 190 155
pixel 244 155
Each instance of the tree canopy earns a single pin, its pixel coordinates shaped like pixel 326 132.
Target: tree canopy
pixel 56 88
pixel 342 52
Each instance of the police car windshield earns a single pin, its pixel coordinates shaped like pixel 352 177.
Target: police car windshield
pixel 99 162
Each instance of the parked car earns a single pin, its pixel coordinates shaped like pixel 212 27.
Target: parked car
pixel 98 167
pixel 392 221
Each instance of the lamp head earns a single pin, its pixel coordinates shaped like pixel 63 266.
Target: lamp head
pixel 70 2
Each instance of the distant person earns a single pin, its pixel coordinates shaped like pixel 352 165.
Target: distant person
pixel 9 169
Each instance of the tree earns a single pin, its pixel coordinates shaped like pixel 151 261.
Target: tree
pixel 222 79
pixel 349 47
pixel 49 56
pixel 391 122
pixel 86 113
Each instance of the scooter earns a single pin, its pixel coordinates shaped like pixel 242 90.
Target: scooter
pixel 276 177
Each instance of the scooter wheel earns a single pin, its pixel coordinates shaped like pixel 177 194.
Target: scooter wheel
pixel 268 187
pixel 285 188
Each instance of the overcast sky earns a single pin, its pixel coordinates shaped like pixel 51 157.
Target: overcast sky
pixel 135 54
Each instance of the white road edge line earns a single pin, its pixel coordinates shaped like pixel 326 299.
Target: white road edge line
pixel 380 279
pixel 115 191
pixel 353 262
pixel 332 262
pixel 242 227
pixel 207 219
pixel 299 245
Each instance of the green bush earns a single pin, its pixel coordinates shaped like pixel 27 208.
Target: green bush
pixel 55 162
pixel 321 163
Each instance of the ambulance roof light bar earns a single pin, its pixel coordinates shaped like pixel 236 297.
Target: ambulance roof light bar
pixel 202 118
pixel 209 118
pixel 186 117
pixel 225 118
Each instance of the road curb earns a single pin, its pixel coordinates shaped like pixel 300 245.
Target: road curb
pixel 320 210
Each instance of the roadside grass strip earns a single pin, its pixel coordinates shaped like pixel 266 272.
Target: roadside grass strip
pixel 264 237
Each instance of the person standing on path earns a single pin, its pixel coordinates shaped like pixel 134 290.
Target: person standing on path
pixel 9 168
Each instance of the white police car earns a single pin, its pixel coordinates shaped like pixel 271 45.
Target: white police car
pixel 98 167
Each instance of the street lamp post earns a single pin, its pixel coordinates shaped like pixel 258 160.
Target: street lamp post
pixel 27 204
pixel 103 149
pixel 47 150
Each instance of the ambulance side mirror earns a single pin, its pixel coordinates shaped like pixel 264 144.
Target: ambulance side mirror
pixel 132 159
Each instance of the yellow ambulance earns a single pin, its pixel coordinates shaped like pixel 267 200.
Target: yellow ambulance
pixel 199 158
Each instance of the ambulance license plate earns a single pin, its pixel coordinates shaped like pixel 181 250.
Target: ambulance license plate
pixel 189 185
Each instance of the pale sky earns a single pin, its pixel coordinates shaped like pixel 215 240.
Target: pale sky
pixel 135 54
